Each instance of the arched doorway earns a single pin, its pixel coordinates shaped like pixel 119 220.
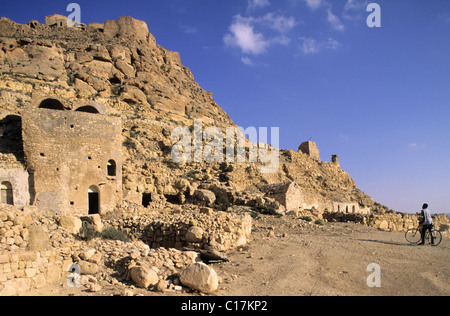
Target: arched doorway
pixel 94 200
pixel 51 104
pixel 6 194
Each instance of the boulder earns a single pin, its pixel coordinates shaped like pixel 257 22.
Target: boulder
pixel 205 196
pixel 71 223
pixel 38 239
pixel 95 220
pixel 144 276
pixel 127 26
pixel 88 268
pixel 200 277
pixel 194 235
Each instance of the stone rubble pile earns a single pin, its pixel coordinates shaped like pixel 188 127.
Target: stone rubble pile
pixel 38 249
pixel 177 229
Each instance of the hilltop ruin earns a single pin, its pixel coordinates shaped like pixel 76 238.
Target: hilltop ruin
pixel 86 117
pixel 57 156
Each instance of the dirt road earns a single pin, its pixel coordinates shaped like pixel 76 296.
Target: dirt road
pixel 333 260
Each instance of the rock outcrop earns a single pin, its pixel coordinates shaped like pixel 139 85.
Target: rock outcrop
pixel 119 65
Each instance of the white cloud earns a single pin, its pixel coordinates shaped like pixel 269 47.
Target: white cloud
pixel 355 5
pixel 246 33
pixel 279 23
pixel 247 61
pixel 189 29
pixel 335 22
pixel 255 4
pixel 417 146
pixel 243 35
pixel 314 4
pixel 311 46
pixel 355 9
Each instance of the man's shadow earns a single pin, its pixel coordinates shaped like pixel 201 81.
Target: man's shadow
pixel 388 242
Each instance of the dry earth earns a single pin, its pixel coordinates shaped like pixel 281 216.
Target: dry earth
pixel 327 260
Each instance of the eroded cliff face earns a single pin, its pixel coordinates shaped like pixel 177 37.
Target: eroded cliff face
pixel 119 64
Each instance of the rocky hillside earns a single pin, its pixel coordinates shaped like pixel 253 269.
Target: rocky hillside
pixel 119 64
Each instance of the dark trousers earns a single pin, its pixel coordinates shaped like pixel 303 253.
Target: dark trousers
pixel 424 230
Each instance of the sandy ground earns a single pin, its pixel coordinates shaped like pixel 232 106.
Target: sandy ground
pixel 329 260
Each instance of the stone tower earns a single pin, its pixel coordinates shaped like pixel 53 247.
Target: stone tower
pixel 310 148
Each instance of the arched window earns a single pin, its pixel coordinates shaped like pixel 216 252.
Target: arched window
pixel 87 109
pixel 6 193
pixel 94 200
pixel 112 168
pixel 51 104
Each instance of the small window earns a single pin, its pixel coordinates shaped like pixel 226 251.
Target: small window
pixel 112 172
pixel 6 195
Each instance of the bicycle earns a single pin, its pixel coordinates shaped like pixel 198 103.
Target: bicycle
pixel 414 236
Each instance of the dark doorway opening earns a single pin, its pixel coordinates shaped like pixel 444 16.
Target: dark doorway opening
pixel 52 104
pixel 94 200
pixel 146 199
pixel 87 109
pixel 172 199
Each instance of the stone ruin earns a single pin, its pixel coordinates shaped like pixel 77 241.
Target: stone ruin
pixel 73 159
pixel 310 148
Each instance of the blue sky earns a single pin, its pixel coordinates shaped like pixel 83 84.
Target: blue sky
pixel 378 97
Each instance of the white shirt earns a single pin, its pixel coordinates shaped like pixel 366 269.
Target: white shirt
pixel 427 216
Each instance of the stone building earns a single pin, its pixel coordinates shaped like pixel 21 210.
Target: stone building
pixel 310 148
pixel 287 194
pixel 72 159
pixel 349 208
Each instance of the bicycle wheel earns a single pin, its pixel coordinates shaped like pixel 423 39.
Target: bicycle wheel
pixel 437 236
pixel 413 236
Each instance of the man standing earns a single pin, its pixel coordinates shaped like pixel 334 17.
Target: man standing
pixel 427 224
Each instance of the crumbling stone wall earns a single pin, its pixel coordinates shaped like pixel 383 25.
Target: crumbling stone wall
pixel 207 228
pixel 394 222
pixel 27 259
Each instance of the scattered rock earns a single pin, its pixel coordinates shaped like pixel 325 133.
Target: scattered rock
pixel 71 223
pixel 194 235
pixel 144 276
pixel 200 277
